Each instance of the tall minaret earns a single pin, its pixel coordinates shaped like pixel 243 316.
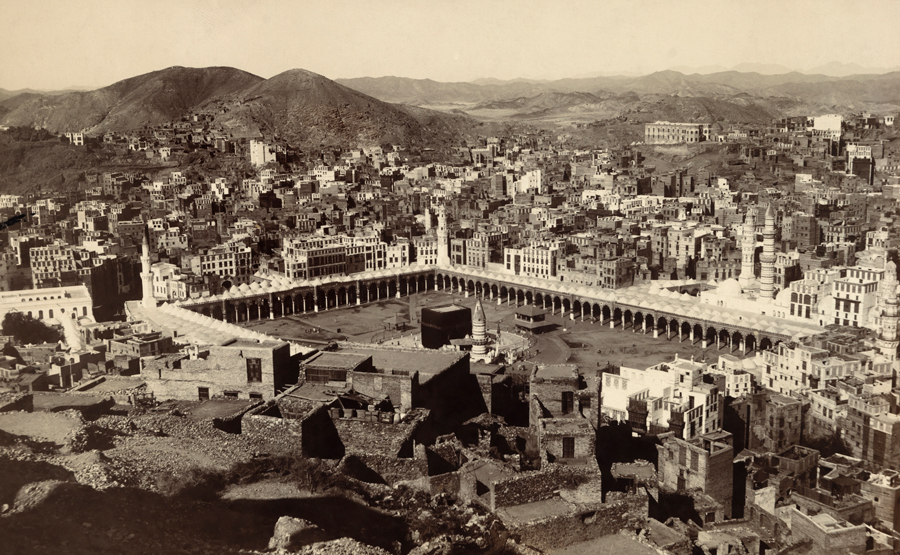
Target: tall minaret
pixel 443 238
pixel 889 309
pixel 479 332
pixel 767 274
pixel 748 249
pixel 427 220
pixel 147 300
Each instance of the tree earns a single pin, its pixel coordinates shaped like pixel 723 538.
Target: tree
pixel 26 329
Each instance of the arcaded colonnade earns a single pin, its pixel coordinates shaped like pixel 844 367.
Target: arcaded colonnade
pixel 707 328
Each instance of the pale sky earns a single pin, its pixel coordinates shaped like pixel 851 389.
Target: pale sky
pixel 54 44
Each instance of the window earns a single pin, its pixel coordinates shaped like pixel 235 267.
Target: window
pixel 568 448
pixel 203 393
pixel 254 370
pixel 256 397
pixel 568 402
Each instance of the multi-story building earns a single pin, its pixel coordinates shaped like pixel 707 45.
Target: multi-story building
pixel 667 396
pixel 702 464
pixel 615 273
pixel 310 258
pixel 854 296
pixel 872 427
pixel 537 261
pixel 231 262
pixel 261 153
pixel 662 132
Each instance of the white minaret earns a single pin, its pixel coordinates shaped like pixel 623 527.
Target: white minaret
pixel 147 300
pixel 767 260
pixel 748 249
pixel 889 310
pixel 479 332
pixel 427 220
pixel 443 238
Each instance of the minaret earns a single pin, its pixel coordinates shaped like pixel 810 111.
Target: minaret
pixel 443 238
pixel 427 220
pixel 147 300
pixel 889 309
pixel 479 332
pixel 748 249
pixel 767 275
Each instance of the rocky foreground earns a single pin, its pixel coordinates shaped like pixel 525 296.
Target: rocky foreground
pixel 165 483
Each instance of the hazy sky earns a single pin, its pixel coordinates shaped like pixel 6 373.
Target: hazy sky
pixel 48 44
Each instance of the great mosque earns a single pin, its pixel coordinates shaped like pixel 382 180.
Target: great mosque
pixel 741 315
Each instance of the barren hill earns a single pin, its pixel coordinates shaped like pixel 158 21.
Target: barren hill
pixel 152 98
pixel 309 109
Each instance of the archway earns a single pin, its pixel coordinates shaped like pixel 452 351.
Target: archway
pixel 736 340
pixel 673 328
pixel 724 339
pixel 685 331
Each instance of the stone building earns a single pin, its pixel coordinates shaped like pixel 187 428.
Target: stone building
pixel 703 464
pixel 242 369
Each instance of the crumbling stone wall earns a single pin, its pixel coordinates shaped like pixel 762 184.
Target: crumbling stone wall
pixel 393 469
pixel 17 402
pixel 620 512
pixel 265 423
pixel 538 485
pixel 397 387
pixel 395 440
pixel 232 422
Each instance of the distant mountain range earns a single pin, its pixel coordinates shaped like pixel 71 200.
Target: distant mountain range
pixel 753 95
pixel 311 110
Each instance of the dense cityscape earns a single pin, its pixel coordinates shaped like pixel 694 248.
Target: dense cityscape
pixel 652 314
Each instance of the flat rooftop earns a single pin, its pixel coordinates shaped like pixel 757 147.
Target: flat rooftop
pixel 557 371
pixel 424 361
pixel 336 360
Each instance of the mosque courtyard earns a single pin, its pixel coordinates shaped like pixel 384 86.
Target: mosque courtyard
pixel 587 344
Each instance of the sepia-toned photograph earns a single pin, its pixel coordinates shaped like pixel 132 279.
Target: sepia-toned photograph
pixel 468 277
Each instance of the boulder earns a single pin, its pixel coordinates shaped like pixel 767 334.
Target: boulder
pixel 293 533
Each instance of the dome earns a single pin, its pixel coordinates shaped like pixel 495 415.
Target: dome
pixel 729 288
pixel 783 297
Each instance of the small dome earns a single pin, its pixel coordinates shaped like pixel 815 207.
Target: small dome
pixel 729 288
pixel 783 297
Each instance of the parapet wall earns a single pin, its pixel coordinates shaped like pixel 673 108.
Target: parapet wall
pixel 620 512
pixel 539 485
